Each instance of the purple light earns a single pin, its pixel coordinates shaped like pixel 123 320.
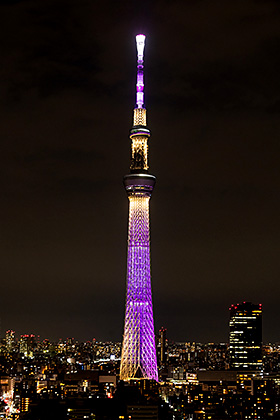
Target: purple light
pixel 140 43
pixel 138 353
pixel 138 359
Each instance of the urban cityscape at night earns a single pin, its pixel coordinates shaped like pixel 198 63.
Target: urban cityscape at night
pixel 69 379
pixel 172 312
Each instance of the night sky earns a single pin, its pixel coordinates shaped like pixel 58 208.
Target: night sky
pixel 212 91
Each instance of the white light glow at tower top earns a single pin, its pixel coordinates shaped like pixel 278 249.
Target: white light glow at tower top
pixel 140 43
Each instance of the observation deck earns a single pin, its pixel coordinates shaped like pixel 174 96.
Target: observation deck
pixel 139 183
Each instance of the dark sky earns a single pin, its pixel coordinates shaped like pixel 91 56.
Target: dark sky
pixel 212 83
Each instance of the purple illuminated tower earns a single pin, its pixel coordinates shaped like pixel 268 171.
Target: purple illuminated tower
pixel 138 350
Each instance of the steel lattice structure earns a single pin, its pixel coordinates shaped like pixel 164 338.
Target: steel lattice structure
pixel 138 358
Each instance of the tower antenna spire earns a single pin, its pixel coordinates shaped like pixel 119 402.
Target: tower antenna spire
pixel 139 133
pixel 140 43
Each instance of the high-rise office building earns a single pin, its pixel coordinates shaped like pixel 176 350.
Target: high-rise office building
pixel 27 344
pixel 245 339
pixel 138 359
pixel 10 340
pixel 162 346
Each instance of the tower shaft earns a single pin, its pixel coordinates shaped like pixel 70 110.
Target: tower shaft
pixel 138 358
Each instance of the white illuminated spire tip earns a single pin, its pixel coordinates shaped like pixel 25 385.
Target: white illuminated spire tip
pixel 140 42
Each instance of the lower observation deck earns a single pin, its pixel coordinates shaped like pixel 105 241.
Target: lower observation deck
pixel 139 183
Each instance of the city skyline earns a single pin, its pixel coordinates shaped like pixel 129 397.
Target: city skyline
pixel 66 92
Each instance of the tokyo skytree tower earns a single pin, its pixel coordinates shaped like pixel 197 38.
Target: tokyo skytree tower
pixel 138 358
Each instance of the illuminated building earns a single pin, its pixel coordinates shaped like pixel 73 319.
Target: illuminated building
pixel 143 412
pixel 138 359
pixel 162 348
pixel 245 340
pixel 10 340
pixel 24 404
pixel 27 344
